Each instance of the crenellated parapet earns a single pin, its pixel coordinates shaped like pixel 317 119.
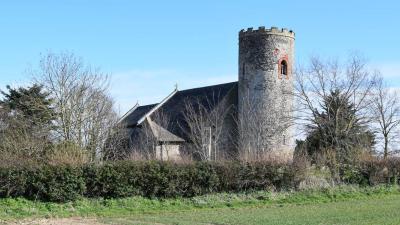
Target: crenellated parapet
pixel 262 30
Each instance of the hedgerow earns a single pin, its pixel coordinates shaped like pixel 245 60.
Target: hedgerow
pixel 135 178
pixel 155 179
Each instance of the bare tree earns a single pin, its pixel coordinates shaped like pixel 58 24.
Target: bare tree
pixel 17 144
pixel 144 142
pixel 204 125
pixel 83 105
pixel 147 139
pixel 385 113
pixel 316 83
pixel 338 87
pixel 117 145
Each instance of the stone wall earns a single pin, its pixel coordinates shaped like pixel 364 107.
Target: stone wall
pixel 168 152
pixel 265 98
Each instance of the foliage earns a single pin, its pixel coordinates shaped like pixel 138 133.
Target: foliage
pixel 340 129
pixel 32 103
pixel 154 179
pixel 66 153
pixel 338 135
pixel 147 178
pixel 26 117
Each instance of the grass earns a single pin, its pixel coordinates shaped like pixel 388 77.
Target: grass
pixel 363 211
pixel 341 205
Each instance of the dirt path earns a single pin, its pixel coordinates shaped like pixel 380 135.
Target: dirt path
pixel 54 221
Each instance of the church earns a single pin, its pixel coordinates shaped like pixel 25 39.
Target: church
pixel 248 118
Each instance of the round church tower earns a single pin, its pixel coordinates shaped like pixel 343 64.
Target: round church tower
pixel 266 58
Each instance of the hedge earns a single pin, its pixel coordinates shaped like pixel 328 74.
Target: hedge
pixel 149 179
pixel 167 179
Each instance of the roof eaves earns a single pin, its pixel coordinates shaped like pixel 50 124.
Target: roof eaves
pixel 129 112
pixel 157 106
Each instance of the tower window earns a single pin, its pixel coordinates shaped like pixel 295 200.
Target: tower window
pixel 284 68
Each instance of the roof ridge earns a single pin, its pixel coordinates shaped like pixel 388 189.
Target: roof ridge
pixel 157 106
pixel 208 86
pixel 129 112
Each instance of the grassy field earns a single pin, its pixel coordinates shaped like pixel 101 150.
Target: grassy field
pixel 344 205
pixel 367 211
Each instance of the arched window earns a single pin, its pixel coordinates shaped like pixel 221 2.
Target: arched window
pixel 284 68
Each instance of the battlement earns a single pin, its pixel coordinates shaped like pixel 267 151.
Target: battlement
pixel 263 30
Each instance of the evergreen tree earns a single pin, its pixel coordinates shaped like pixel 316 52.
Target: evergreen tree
pixel 337 132
pixel 30 104
pixel 26 125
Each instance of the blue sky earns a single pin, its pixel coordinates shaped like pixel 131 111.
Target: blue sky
pixel 148 46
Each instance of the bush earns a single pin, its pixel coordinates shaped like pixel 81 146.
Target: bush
pixel 112 180
pixel 67 153
pixel 13 182
pixel 151 179
pixel 55 183
pixel 313 183
pixel 351 174
pixel 48 183
pixel 154 179
pixel 378 171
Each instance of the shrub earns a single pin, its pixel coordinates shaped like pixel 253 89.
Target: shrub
pixel 13 182
pixel 261 175
pixel 154 179
pixel 48 183
pixel 67 153
pixel 147 178
pixel 313 183
pixel 55 183
pixel 378 171
pixel 112 180
pixel 352 174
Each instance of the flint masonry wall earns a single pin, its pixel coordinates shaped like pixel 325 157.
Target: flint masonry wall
pixel 264 93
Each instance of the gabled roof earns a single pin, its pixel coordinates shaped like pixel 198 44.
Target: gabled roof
pixel 173 106
pixel 135 114
pixel 138 114
pixel 129 112
pixel 161 134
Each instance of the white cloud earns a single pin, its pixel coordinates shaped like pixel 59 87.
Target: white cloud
pixel 390 71
pixel 151 86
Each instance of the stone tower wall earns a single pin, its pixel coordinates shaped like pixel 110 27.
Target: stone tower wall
pixel 264 93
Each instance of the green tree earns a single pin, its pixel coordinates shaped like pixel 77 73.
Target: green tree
pixel 338 134
pixel 31 104
pixel 26 126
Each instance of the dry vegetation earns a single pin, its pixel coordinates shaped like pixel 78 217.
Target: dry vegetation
pixel 68 117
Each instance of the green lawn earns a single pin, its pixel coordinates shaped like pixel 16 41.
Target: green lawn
pixel 340 205
pixel 384 210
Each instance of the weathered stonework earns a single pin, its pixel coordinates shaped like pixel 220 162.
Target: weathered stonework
pixel 256 112
pixel 262 53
